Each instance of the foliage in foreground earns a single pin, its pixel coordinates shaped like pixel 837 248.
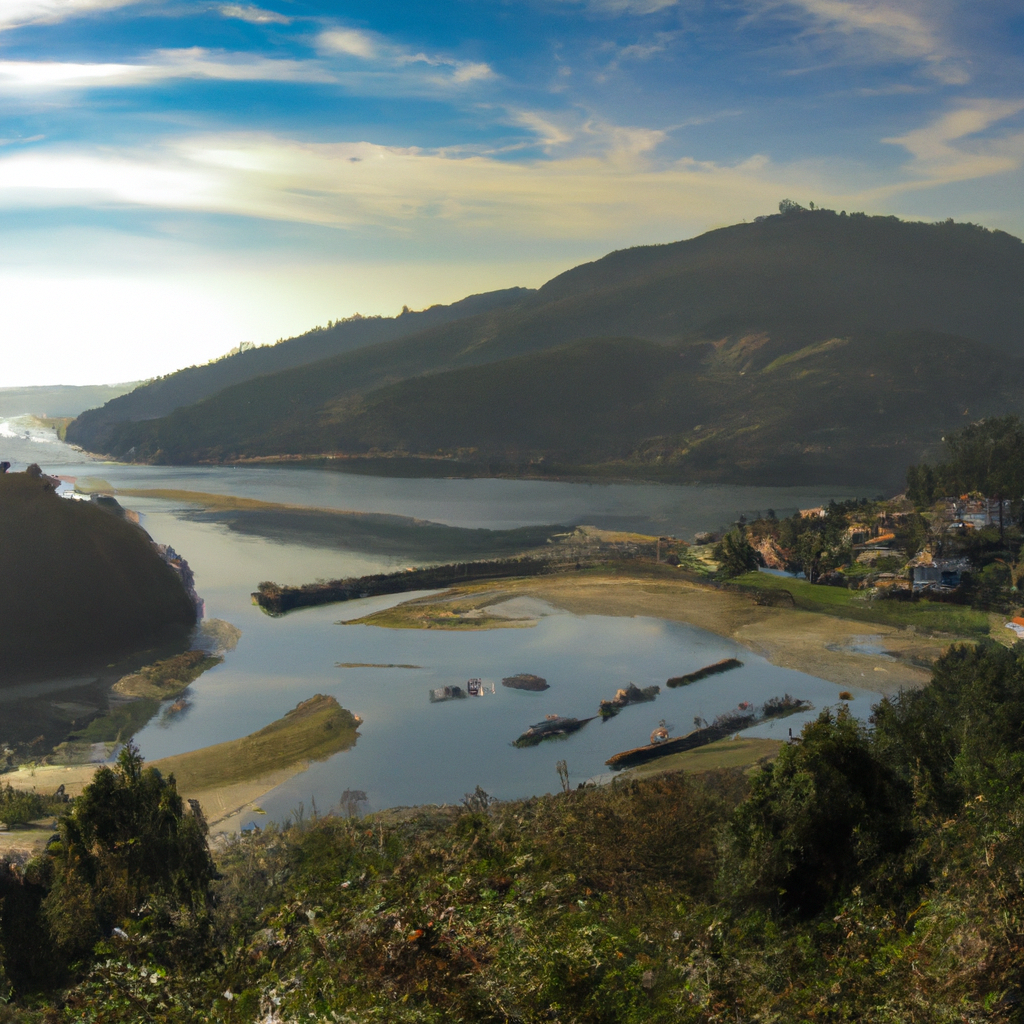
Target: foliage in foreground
pixel 865 875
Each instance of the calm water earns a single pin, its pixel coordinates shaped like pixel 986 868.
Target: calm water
pixel 410 751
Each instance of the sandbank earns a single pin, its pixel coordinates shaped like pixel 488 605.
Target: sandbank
pixel 872 656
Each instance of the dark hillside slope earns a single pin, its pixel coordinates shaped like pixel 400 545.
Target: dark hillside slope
pixel 855 412
pixel 727 303
pixel 78 585
pixel 752 410
pixel 159 397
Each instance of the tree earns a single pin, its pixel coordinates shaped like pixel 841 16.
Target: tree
pixel 126 847
pixel 818 817
pixel 735 555
pixel 921 485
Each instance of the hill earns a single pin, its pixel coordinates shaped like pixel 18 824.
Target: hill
pixel 165 394
pixel 59 400
pixel 807 347
pixel 80 585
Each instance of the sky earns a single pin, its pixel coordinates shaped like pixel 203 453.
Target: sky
pixel 177 176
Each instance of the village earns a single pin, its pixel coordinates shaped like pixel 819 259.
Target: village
pixel 962 550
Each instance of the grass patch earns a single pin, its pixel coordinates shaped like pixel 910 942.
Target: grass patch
pixel 168 678
pixel 957 620
pixel 727 753
pixel 312 731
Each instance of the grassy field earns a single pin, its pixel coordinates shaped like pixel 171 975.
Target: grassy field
pixel 957 620
pixel 312 731
pixel 729 753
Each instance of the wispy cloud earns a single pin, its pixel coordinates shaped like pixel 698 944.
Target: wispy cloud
pixel 612 189
pixel 957 146
pixel 624 7
pixel 194 63
pixel 254 15
pixel 872 30
pixel 26 12
pixel 349 41
pixel 368 46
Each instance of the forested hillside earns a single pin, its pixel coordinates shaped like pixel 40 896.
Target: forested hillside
pixel 810 346
pixel 81 586
pixel 159 397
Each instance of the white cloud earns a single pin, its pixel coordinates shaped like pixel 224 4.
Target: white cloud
pixel 871 30
pixel 402 190
pixel 195 63
pixel 348 41
pixel 254 15
pixel 625 7
pixel 25 12
pixel 370 47
pixel 954 147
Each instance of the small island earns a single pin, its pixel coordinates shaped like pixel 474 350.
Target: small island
pixel 526 681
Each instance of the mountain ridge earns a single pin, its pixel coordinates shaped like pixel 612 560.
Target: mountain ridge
pixel 804 297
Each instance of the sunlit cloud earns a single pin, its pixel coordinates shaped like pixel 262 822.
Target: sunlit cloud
pixel 26 12
pixel 254 15
pixel 954 147
pixel 348 41
pixel 368 47
pixel 876 30
pixel 624 7
pixel 194 63
pixel 404 189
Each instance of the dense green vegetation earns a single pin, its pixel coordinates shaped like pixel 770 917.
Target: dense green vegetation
pixel 939 617
pixel 986 457
pixel 18 807
pixel 80 586
pixel 807 347
pixel 865 874
pixel 159 397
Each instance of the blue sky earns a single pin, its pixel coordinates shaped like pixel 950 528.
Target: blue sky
pixel 177 176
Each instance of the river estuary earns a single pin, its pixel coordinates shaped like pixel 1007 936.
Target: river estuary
pixel 409 750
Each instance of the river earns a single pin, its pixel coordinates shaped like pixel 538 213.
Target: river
pixel 411 751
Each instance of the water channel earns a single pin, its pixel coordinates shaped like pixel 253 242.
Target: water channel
pixel 411 751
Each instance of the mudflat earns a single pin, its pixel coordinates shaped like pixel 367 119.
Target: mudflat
pixel 869 655
pixel 227 778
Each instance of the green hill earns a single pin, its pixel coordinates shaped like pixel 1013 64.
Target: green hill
pixel 80 585
pixel 165 394
pixel 801 348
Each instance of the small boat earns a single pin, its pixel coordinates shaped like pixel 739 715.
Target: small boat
pixel 474 687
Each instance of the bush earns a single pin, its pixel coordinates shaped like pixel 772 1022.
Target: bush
pixel 18 807
pixel 817 818
pixel 126 843
pixel 735 555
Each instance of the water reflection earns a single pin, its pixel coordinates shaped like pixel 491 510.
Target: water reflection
pixel 411 751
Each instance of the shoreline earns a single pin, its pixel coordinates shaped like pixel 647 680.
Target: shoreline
pixel 787 637
pixel 826 646
pixel 819 644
